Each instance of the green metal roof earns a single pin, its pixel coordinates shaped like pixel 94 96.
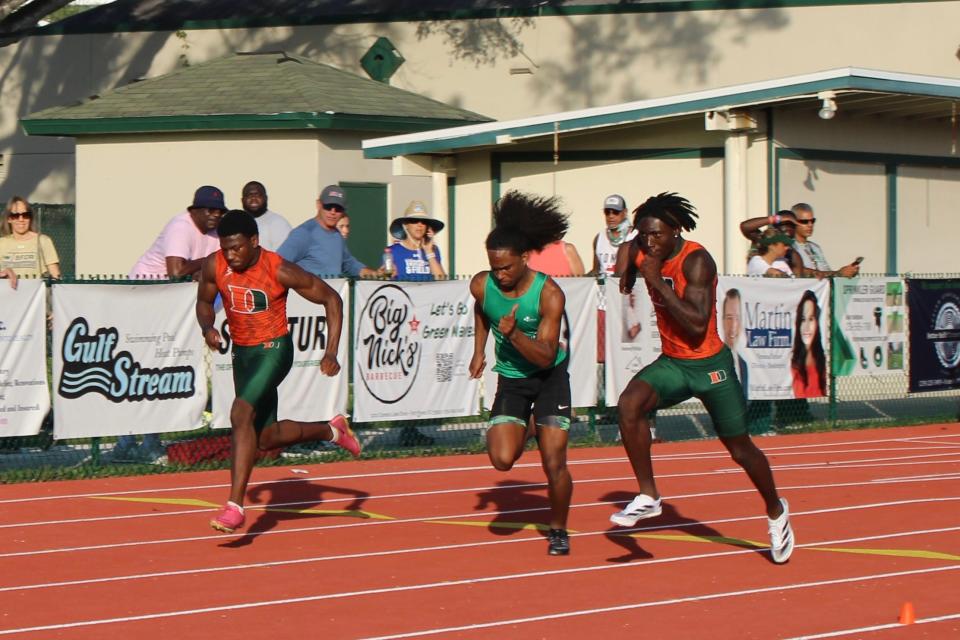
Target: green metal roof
pixel 887 91
pixel 260 91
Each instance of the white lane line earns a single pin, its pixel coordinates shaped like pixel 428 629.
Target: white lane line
pixel 458 547
pixel 472 514
pixel 898 462
pixel 500 578
pixel 781 450
pixel 878 627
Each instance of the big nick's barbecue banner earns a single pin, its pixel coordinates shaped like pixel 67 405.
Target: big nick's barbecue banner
pixel 412 348
pixel 779 332
pixel 127 359
pixel 934 334
pixel 305 394
pixel 24 398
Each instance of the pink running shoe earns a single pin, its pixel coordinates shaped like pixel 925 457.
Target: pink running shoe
pixel 228 520
pixel 345 436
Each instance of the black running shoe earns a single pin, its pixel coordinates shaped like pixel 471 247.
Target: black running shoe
pixel 559 542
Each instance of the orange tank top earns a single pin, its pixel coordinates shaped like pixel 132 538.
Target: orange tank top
pixel 675 343
pixel 255 301
pixel 551 260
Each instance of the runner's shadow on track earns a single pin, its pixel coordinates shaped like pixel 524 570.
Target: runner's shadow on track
pixel 668 525
pixel 519 505
pixel 303 501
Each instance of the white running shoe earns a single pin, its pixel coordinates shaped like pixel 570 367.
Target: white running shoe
pixel 781 535
pixel 643 506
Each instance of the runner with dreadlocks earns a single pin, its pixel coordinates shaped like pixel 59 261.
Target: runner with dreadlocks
pixel 524 308
pixel 681 278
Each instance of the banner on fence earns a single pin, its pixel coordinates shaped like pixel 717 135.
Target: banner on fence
pixel 24 397
pixel 870 326
pixel 934 334
pixel 778 330
pixel 305 394
pixel 412 350
pixel 633 340
pixel 128 359
pixel 578 333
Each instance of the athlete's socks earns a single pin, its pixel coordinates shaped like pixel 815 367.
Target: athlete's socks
pixel 334 434
pixel 239 508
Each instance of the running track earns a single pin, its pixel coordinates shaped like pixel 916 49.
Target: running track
pixel 448 547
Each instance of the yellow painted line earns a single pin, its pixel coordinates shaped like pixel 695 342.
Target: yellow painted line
pixel 897 553
pixel 184 502
pixel 740 542
pixel 519 526
pixel 367 515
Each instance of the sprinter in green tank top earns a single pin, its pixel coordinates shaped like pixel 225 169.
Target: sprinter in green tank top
pixel 524 308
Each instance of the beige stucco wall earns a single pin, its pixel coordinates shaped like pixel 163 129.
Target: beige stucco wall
pixel 927 222
pixel 128 187
pixel 576 62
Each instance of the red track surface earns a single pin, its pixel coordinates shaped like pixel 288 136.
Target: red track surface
pixel 434 547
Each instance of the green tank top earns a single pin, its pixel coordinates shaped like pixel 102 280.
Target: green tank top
pixel 510 362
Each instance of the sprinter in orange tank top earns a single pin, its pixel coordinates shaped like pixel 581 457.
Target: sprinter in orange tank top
pixel 681 278
pixel 254 283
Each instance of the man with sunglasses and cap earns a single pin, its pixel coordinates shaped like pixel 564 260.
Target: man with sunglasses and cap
pixel 415 256
pixel 617 230
pixel 317 246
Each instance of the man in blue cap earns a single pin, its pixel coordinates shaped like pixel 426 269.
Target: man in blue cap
pixel 316 246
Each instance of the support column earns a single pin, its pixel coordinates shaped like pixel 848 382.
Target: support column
pixel 441 207
pixel 734 201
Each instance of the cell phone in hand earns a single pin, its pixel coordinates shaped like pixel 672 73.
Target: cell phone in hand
pixel 857 261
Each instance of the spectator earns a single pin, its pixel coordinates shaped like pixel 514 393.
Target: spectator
pixel 415 256
pixel 783 221
pixel 178 251
pixel 23 249
pixel 318 247
pixel 186 240
pixel 343 225
pixel 617 230
pixel 557 259
pixel 814 262
pixel 274 228
pixel 769 261
pixel 6 272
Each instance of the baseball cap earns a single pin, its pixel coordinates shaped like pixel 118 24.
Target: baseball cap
pixel 614 202
pixel 208 197
pixel 333 194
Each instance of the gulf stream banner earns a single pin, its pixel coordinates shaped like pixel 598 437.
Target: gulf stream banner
pixel 778 330
pixel 633 340
pixel 127 359
pixel 305 394
pixel 412 350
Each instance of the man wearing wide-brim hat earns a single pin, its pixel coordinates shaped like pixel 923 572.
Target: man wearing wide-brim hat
pixel 415 256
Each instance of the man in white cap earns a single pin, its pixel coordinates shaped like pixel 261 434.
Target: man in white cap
pixel 616 231
pixel 415 257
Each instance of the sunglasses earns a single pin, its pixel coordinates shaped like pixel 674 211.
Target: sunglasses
pixel 334 207
pixel 611 212
pixel 807 221
pixel 25 215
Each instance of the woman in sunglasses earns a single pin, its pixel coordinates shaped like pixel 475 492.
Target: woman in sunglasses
pixel 22 248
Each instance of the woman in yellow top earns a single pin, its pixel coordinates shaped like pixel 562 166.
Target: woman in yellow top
pixel 22 248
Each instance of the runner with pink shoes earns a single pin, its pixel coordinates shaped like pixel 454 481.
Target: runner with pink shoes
pixel 254 283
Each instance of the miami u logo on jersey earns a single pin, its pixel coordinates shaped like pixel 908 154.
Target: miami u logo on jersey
pixel 245 300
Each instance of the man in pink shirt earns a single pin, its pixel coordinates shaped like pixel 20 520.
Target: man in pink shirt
pixel 186 240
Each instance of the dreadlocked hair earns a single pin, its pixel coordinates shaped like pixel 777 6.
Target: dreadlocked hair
pixel 525 222
pixel 669 207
